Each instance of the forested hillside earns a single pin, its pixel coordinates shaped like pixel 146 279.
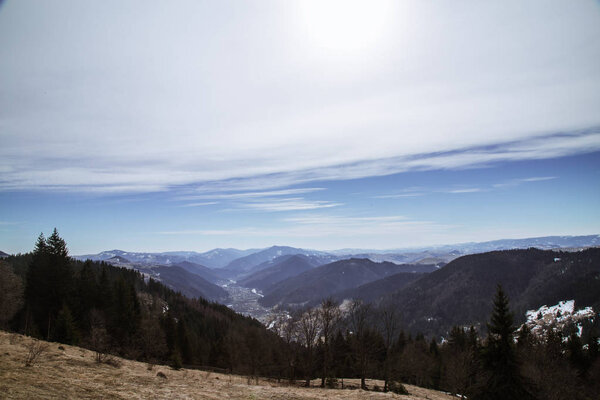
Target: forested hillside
pixel 459 293
pixel 119 311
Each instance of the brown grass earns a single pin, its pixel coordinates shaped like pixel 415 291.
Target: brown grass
pixel 72 373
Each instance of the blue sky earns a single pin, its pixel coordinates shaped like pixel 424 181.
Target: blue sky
pixel 151 126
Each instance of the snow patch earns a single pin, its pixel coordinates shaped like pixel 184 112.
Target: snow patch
pixel 559 316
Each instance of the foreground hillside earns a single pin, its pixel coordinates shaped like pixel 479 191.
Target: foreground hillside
pixel 73 373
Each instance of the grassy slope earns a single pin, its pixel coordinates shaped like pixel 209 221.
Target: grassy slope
pixel 73 374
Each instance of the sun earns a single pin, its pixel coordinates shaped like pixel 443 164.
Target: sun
pixel 344 26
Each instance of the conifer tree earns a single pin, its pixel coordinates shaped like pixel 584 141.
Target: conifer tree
pixel 48 280
pixel 502 379
pixel 65 330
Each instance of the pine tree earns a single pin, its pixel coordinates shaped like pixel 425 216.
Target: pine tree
pixel 65 330
pixel 502 380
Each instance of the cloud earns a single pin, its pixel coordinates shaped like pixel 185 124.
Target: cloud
pixel 242 109
pixel 461 190
pixel 249 195
pixel 398 196
pixel 321 225
pixel 466 190
pixel 520 181
pixel 289 204
pixel 200 204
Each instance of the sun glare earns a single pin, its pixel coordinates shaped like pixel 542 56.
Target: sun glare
pixel 344 26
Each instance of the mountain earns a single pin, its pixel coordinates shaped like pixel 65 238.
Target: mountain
pixel 192 280
pixel 246 264
pixel 116 260
pixel 189 284
pixel 461 292
pixel 206 273
pixel 373 291
pixel 219 258
pixel 542 242
pixel 280 268
pixel 3 254
pixel 216 258
pixel 323 281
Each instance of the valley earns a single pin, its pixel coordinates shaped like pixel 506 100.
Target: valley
pixel 427 295
pixel 244 300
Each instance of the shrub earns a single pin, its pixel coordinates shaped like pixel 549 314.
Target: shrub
pixel 331 382
pixel 176 362
pixel 397 387
pixel 35 349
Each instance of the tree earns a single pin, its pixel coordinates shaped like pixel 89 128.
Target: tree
pixel 358 316
pixel 11 294
pixel 460 360
pixel 286 328
pixel 502 379
pixel 389 325
pixel 329 316
pixel 49 280
pixel 65 330
pixel 308 325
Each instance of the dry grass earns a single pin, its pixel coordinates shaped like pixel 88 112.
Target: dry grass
pixel 72 373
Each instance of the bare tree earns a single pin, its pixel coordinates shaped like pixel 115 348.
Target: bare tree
pixel 11 293
pixel 358 316
pixel 458 371
pixel 309 327
pixel 98 340
pixel 388 325
pixel 286 327
pixel 329 317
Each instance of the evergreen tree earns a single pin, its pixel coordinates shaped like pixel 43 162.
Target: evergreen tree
pixel 65 330
pixel 49 281
pixel 502 379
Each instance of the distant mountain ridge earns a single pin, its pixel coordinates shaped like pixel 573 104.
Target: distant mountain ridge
pixel 279 269
pixel 243 260
pixel 216 258
pixel 540 242
pixel 188 283
pixel 326 280
pixel 249 262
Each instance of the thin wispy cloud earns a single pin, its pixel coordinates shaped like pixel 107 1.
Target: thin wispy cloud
pixel 200 204
pixel 289 204
pixel 398 196
pixel 322 225
pixel 520 181
pixel 250 195
pixel 465 190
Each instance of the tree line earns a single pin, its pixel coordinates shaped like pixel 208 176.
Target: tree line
pixel 359 340
pixel 48 295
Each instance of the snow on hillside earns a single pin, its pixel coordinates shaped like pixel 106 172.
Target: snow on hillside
pixel 559 316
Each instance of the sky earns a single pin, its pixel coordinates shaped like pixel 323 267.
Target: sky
pixel 190 125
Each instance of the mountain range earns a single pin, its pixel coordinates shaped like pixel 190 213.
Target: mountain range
pixel 323 281
pixel 238 262
pixel 216 258
pixel 433 288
